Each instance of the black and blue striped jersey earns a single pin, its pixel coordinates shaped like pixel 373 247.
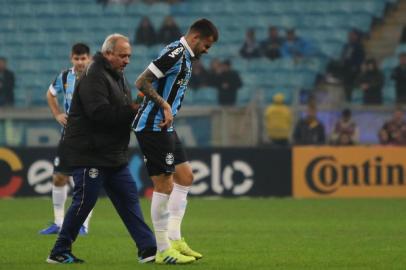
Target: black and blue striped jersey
pixel 64 83
pixel 173 69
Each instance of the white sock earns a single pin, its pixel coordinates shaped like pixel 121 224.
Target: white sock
pixel 160 215
pixel 177 207
pixel 59 195
pixel 86 223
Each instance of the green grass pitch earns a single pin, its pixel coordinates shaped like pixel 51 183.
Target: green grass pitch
pixel 231 233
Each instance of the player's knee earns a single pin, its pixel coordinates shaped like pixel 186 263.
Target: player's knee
pixel 60 180
pixel 163 184
pixel 165 188
pixel 189 179
pixel 186 179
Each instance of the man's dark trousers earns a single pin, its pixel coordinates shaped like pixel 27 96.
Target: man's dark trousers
pixel 122 191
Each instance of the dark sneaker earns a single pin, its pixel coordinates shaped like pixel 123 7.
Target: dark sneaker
pixel 64 258
pixel 147 255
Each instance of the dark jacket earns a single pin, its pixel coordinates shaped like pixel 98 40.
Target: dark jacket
pixel 199 78
pixel 7 88
pixel 228 86
pixel 309 132
pixel 353 55
pixel 375 79
pixel 399 75
pixel 98 129
pixel 271 47
pixel 145 36
pixel 168 34
pixel 250 49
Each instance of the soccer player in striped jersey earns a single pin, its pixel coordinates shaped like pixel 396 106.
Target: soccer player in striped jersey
pixel 164 84
pixel 64 84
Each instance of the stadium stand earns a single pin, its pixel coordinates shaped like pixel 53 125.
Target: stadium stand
pixel 36 37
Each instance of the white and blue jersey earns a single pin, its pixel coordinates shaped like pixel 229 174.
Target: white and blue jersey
pixel 64 83
pixel 173 69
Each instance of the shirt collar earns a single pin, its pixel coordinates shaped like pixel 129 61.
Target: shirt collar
pixel 101 60
pixel 184 43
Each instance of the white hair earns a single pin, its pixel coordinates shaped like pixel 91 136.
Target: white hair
pixel 110 42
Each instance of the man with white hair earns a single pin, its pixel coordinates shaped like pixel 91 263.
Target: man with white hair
pixel 95 146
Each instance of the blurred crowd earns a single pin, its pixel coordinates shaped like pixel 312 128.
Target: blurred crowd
pixel 309 129
pixel 359 75
pixel 145 33
pixel 220 76
pixel 276 46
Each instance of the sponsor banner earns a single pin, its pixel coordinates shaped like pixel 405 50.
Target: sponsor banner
pixel 26 172
pixel 218 172
pixel 241 171
pixel 357 171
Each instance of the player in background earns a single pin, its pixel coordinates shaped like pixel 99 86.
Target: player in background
pixel 164 83
pixel 65 84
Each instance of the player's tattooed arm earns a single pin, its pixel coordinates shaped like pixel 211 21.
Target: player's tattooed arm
pixel 144 84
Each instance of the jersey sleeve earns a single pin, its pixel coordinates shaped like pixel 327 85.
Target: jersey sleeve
pixel 57 86
pixel 163 64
